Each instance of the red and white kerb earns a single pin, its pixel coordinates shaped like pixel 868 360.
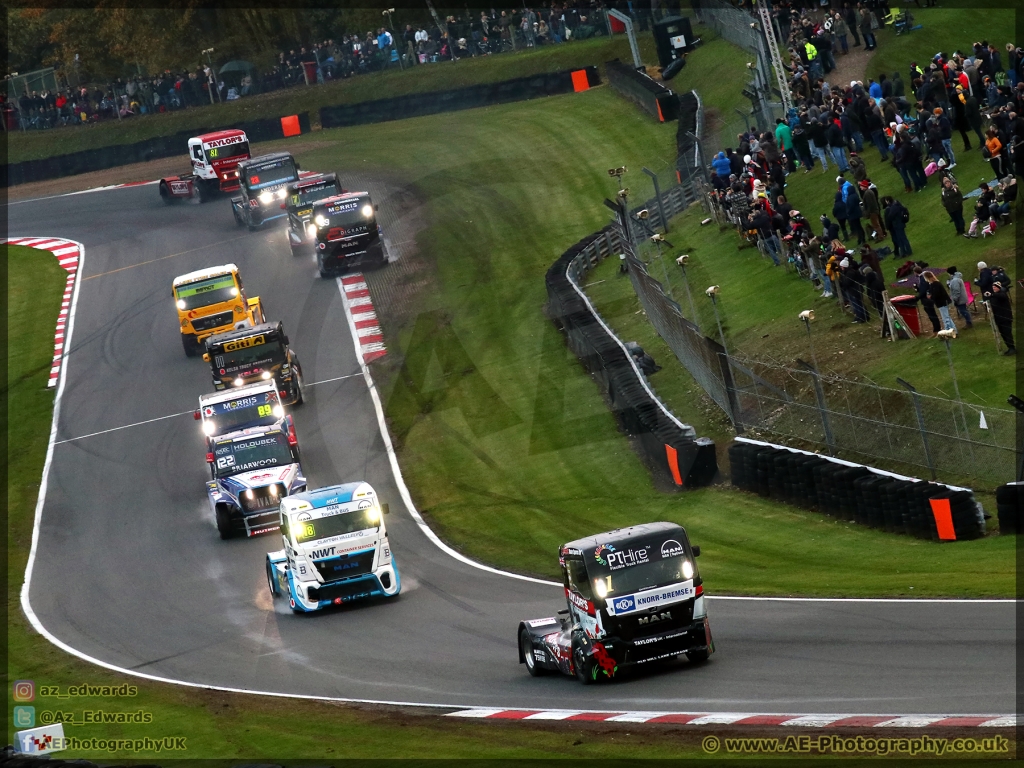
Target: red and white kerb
pixel 68 255
pixel 360 307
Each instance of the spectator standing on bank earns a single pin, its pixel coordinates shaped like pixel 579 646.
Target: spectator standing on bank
pixel 857 166
pixel 834 136
pixel 953 202
pixel 840 30
pixel 999 299
pixel 865 30
pixel 851 199
pixel 924 296
pixel 872 209
pixel 958 295
pixel 875 286
pixel 940 298
pixel 839 213
pixel 994 151
pixel 852 283
pixel 896 219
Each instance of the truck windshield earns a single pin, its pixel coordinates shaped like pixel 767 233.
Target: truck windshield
pixel 344 213
pixel 203 293
pixel 259 452
pixel 308 196
pixel 336 525
pixel 637 565
pixel 250 411
pixel 260 351
pixel 228 151
pixel 269 174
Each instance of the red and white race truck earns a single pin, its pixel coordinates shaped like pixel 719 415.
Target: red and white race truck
pixel 215 158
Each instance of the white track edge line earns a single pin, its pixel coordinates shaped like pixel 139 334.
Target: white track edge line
pixel 397 471
pixel 38 626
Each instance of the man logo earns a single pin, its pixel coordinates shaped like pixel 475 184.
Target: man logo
pixel 655 617
pixel 671 548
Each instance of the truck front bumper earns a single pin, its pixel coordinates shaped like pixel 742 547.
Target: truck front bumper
pixel 311 596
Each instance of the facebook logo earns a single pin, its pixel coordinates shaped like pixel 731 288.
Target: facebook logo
pixel 623 604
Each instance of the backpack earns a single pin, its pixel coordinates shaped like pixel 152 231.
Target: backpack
pixel 903 212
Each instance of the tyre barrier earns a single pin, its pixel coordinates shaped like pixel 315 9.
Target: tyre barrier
pixel 864 495
pixel 1009 500
pixel 648 94
pixel 670 447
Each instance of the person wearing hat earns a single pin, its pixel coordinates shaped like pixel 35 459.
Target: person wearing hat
pixel 872 208
pixel 945 134
pixel 925 298
pixel 940 298
pixel 944 172
pixel 851 281
pixel 958 295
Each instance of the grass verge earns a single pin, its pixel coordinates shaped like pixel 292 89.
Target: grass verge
pixel 212 725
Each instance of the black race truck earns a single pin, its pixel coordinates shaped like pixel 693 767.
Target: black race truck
pixel 262 182
pixel 298 204
pixel 634 597
pixel 251 355
pixel 347 234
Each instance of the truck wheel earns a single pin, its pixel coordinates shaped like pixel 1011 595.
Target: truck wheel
pixel 272 580
pixel 224 522
pixel 324 273
pixel 296 249
pixel 165 193
pixel 585 668
pixel 298 387
pixel 526 648
pixel 697 657
pixel 204 189
pixel 188 341
pixel 238 218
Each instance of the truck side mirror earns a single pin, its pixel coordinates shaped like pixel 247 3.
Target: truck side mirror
pixel 195 415
pixel 386 509
pixel 297 166
pixel 206 356
pixel 696 550
pixel 284 340
pixel 564 612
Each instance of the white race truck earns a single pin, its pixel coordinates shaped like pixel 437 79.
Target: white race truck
pixel 253 470
pixel 336 549
pixel 215 157
pixel 254 405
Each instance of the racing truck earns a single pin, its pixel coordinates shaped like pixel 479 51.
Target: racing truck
pixel 211 301
pixel 215 158
pixel 252 470
pixel 253 354
pixel 347 234
pixel 263 182
pixel 302 194
pixel 254 405
pixel 336 549
pixel 634 597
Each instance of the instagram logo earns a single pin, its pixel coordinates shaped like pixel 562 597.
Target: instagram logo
pixel 24 690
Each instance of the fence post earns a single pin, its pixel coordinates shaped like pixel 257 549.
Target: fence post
pixel 920 423
pixel 819 395
pixel 657 195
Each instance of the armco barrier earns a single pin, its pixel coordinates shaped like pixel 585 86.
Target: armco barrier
pixel 470 97
pixel 650 95
pixel 669 446
pixel 1009 506
pixel 263 129
pixel 857 493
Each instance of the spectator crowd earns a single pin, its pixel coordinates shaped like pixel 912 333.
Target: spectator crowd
pixel 977 92
pixel 468 35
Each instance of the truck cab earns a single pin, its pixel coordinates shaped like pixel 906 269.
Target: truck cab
pixel 336 549
pixel 263 183
pixel 252 470
pixel 302 195
pixel 211 301
pixel 254 405
pixel 214 157
pixel 254 354
pixel 347 234
pixel 633 596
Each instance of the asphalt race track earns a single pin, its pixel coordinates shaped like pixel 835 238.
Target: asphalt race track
pixel 129 568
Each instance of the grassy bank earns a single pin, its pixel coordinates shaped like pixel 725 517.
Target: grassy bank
pixel 502 437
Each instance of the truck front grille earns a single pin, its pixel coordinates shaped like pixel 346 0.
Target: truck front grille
pixel 212 321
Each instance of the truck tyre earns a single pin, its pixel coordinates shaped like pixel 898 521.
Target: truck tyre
pixel 296 249
pixel 188 341
pixel 238 216
pixel 584 667
pixel 224 522
pixel 205 190
pixel 165 193
pixel 526 648
pixel 298 386
pixel 272 580
pixel 697 657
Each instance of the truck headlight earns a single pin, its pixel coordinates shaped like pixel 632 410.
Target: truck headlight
pixel 600 588
pixel 320 221
pixel 250 495
pixel 265 375
pixel 209 427
pixel 278 411
pixel 234 292
pixel 311 230
pixel 367 211
pixel 239 382
pixel 687 569
pixel 181 304
pixel 282 194
pixel 274 490
pixel 266 197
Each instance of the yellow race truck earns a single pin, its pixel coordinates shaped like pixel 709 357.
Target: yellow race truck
pixel 212 301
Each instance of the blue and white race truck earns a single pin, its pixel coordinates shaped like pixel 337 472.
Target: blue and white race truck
pixel 336 549
pixel 253 470
pixel 253 405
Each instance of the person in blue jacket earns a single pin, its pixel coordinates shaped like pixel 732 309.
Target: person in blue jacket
pixel 721 165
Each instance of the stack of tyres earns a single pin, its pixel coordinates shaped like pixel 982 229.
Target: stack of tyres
pixel 889 498
pixel 1008 507
pixel 968 519
pixel 812 473
pixel 906 501
pixel 828 496
pixel 923 518
pixel 869 503
pixel 765 460
pixel 738 465
pixel 750 463
pixel 847 492
pixel 778 478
